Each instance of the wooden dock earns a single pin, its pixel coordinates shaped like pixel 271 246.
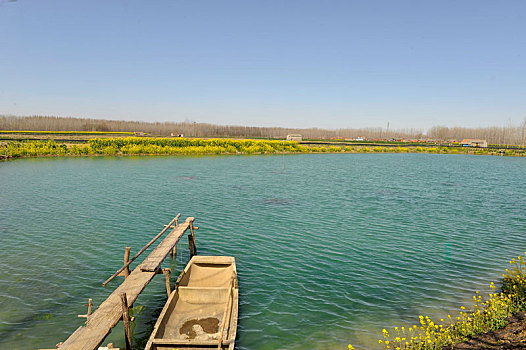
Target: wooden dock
pixel 99 324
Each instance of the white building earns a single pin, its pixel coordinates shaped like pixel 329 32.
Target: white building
pixel 474 143
pixel 294 137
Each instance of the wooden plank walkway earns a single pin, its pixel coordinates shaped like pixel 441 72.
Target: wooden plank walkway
pixel 157 256
pixel 109 313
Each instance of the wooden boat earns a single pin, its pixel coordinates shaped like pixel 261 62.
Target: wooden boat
pixel 201 313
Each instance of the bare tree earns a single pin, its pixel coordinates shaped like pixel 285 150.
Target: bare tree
pixel 495 135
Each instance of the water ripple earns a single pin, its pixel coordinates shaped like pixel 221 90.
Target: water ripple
pixel 329 252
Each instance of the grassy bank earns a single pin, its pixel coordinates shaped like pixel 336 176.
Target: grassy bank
pixel 195 146
pixel 486 315
pixel 148 146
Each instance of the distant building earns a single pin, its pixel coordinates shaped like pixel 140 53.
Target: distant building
pixel 294 137
pixel 139 133
pixel 474 143
pixel 360 138
pixel 176 135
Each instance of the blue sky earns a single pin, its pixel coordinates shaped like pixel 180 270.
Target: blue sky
pixel 327 64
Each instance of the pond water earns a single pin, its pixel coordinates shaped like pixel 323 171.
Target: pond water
pixel 329 251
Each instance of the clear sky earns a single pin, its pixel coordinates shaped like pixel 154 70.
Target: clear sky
pixel 327 64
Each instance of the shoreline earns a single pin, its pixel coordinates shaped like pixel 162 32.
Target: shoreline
pixel 183 147
pixel 511 336
pixel 7 158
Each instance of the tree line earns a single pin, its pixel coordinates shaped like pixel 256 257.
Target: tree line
pixel 494 135
pixel 497 135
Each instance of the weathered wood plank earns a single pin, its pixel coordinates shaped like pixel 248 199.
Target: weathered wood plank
pixel 157 256
pixel 190 342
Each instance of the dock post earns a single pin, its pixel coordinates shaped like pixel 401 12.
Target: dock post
pixel 90 309
pixel 126 320
pixel 167 278
pixel 190 246
pixel 191 240
pixel 126 261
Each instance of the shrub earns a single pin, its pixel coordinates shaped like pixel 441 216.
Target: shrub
pixel 433 150
pixel 334 149
pixel 483 317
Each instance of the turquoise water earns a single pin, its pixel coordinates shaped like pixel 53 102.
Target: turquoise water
pixel 330 251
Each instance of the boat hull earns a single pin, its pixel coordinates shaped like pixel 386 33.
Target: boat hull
pixel 203 308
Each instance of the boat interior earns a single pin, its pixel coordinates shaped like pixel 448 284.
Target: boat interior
pixel 204 301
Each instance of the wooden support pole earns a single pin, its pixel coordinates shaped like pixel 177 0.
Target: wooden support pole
pixel 173 253
pixel 191 246
pixel 167 278
pixel 126 261
pixel 126 320
pixel 192 237
pixel 90 306
pixel 90 309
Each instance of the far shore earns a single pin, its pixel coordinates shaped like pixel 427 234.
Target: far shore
pixel 145 146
